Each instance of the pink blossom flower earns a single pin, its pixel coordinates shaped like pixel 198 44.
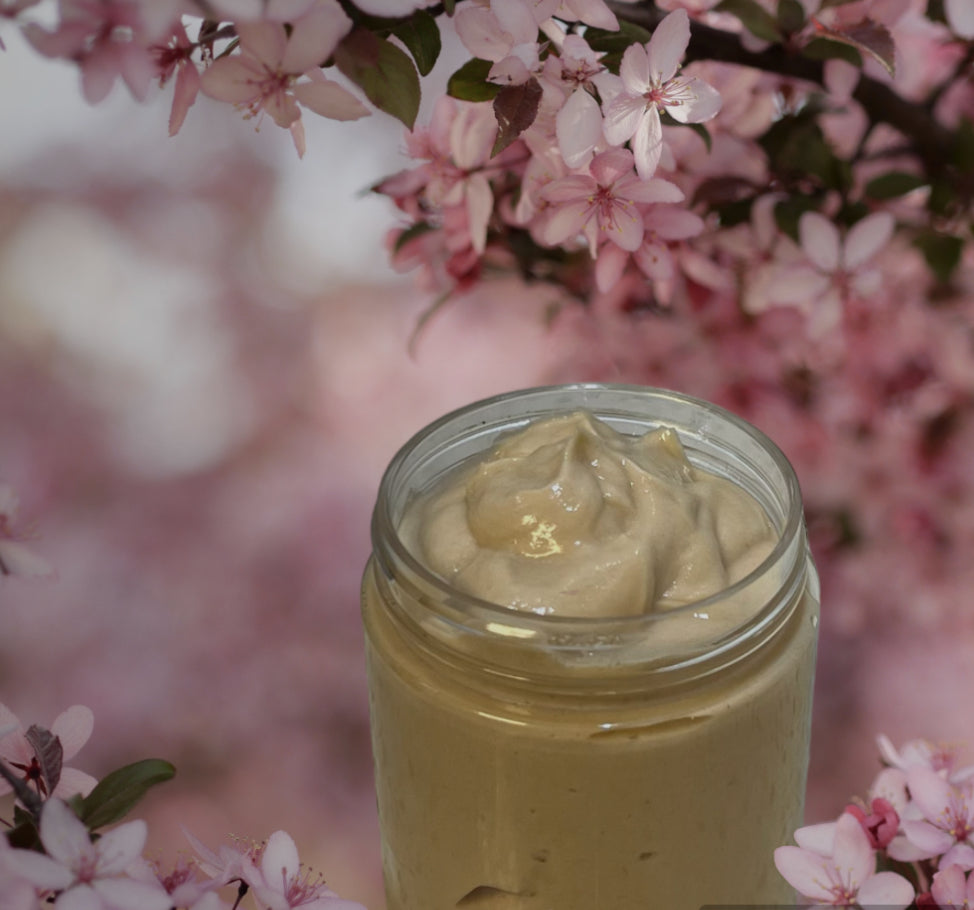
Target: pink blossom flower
pixel 603 204
pixel 650 85
pixel 506 33
pixel 845 877
pixel 921 752
pixel 16 892
pixel 15 557
pixel 880 824
pixel 72 727
pixel 946 829
pixel 107 39
pixel 282 883
pixel 573 75
pixel 84 874
pixel 457 145
pixel 662 225
pixel 953 889
pixel 264 76
pixel 176 57
pixel 835 271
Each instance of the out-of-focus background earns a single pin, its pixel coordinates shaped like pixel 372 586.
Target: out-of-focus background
pixel 206 363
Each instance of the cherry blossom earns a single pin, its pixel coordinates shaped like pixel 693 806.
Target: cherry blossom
pixel 16 892
pixel 174 57
pixel 281 882
pixel 835 270
pixel 881 823
pixel 649 86
pixel 72 727
pixel 573 75
pixel 920 752
pixel 106 38
pixel 953 889
pixel 506 33
pixel 946 828
pixel 662 225
pixel 275 71
pixel 603 205
pixel 847 876
pixel 84 874
pixel 457 147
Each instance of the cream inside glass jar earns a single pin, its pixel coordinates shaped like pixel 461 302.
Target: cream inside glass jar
pixel 643 744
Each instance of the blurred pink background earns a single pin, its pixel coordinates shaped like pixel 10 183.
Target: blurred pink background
pixel 206 364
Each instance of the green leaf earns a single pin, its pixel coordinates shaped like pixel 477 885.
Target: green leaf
pixel 893 185
pixel 827 49
pixel 469 83
pixel 383 71
pixel 515 108
pixel 116 793
pixel 421 35
pixel 791 16
pixel 754 17
pixel 614 43
pixel 942 252
pixel 798 150
pixel 449 6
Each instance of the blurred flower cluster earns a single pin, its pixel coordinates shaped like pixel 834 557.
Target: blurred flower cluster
pixel 64 846
pixel 908 845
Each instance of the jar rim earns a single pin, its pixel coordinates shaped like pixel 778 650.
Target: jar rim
pixel 385 534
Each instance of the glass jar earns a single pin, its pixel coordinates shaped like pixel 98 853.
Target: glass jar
pixel 541 762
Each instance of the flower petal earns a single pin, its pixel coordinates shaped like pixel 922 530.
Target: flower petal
pixel 329 99
pixel 73 727
pixel 703 103
pixel 623 117
pixel 887 890
pixel 578 127
pixel 805 871
pixel 280 858
pixel 313 42
pixel 866 238
pixel 40 870
pixel 634 70
pixel 668 44
pixel 63 835
pixel 820 240
pixel 647 144
pixel 266 42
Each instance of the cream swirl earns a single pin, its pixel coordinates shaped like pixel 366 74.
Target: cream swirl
pixel 570 517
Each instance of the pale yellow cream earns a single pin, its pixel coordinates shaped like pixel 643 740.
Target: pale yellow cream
pixel 570 517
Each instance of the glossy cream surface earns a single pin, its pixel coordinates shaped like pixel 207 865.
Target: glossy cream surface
pixel 570 517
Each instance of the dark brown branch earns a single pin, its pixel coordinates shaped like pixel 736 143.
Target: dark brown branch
pixel 929 138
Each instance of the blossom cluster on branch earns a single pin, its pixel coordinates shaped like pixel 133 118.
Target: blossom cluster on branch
pixel 909 844
pixel 64 844
pixel 601 145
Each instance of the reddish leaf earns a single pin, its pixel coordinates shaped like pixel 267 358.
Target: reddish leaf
pixel 515 108
pixel 49 755
pixel 867 37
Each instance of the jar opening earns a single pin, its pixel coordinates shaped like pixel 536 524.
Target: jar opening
pixel 712 630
